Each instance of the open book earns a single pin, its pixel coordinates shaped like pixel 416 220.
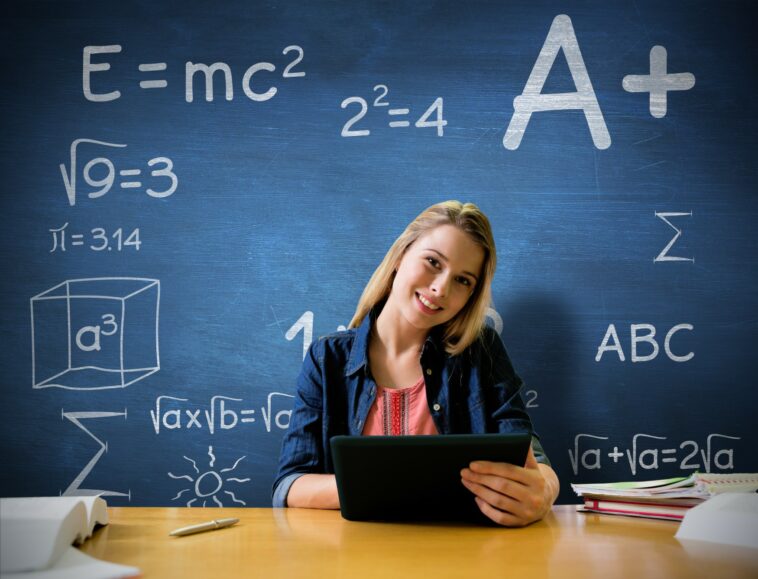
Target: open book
pixel 36 535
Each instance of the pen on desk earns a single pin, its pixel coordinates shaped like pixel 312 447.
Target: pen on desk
pixel 200 527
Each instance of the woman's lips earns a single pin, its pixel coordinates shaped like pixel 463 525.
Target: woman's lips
pixel 424 308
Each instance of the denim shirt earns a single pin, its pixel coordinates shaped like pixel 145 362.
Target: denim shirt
pixel 474 392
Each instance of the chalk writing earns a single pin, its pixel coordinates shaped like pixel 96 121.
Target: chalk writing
pixel 99 240
pixel 395 113
pixel 645 453
pixel 663 255
pixel 210 483
pixel 560 36
pixel 78 333
pixel 89 68
pixel 171 413
pixel 658 82
pixel 304 323
pixel 74 489
pixel 636 338
pixel 164 169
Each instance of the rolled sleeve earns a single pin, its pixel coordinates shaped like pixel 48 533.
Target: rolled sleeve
pixel 282 489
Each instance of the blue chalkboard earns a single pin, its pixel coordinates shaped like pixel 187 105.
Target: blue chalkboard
pixel 191 195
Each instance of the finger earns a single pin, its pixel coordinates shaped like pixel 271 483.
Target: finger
pixel 498 481
pixel 504 470
pixel 530 484
pixel 503 498
pixel 498 516
pixel 499 501
pixel 524 511
pixel 495 500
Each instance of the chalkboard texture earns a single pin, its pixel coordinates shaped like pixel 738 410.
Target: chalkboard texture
pixel 193 193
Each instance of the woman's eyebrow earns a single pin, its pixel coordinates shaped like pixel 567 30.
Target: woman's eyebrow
pixel 444 258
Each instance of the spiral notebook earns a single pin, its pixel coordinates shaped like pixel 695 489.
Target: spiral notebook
pixel 698 486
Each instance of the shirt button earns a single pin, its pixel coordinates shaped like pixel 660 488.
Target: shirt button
pixel 428 371
pixel 436 407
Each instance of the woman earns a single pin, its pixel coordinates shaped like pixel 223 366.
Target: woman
pixel 418 359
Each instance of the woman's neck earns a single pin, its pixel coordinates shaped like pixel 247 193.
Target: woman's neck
pixel 396 335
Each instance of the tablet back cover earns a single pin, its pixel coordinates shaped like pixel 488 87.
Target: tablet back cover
pixel 407 478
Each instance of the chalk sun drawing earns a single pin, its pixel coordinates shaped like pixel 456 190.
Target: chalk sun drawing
pixel 210 483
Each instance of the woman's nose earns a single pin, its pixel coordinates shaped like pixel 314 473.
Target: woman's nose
pixel 439 285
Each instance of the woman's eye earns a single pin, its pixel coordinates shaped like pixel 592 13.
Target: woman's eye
pixel 433 262
pixel 465 281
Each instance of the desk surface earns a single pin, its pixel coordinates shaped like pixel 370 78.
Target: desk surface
pixel 307 543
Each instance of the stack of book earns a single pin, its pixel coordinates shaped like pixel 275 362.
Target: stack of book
pixel 666 499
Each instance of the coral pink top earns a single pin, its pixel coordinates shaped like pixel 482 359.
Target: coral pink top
pixel 403 411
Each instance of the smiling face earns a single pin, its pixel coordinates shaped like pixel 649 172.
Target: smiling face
pixel 436 277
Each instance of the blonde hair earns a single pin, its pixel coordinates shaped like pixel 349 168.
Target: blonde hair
pixel 460 332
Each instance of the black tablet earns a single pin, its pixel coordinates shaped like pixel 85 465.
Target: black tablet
pixel 416 478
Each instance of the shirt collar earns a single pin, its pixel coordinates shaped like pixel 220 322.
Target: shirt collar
pixel 359 351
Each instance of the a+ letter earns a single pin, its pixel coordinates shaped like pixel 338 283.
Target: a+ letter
pixel 658 82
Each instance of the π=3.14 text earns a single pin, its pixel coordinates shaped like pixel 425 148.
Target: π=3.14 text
pixel 99 239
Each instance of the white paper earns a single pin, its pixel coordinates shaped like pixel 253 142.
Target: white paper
pixel 74 564
pixel 728 518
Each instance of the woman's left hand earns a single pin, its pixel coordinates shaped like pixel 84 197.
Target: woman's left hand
pixel 510 495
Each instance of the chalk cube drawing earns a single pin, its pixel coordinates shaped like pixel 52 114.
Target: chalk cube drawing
pixel 95 333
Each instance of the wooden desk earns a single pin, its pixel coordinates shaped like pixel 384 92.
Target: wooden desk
pixel 284 543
